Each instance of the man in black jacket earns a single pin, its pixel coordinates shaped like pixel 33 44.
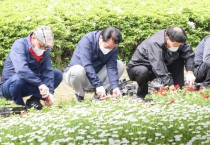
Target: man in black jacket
pixel 163 56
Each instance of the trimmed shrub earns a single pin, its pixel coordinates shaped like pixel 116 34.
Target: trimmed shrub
pixel 71 19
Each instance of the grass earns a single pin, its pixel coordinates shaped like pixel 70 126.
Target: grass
pixel 185 120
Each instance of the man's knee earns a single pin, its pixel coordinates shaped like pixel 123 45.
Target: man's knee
pixel 11 85
pixel 120 67
pixel 58 76
pixel 17 81
pixel 139 72
pixel 203 69
pixel 207 65
pixel 77 71
pixel 75 74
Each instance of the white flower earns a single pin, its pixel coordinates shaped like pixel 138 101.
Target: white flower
pixel 118 9
pixel 44 143
pixel 158 134
pixel 28 18
pixel 115 135
pixel 134 143
pixel 192 24
pixel 71 144
pixel 178 136
pixel 79 138
pixel 40 139
pixel 124 141
pixel 87 127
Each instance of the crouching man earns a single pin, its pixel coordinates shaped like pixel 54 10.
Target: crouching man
pixel 94 64
pixel 28 70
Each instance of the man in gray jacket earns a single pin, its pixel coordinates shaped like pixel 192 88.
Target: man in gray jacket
pixel 94 64
pixel 163 56
pixel 202 62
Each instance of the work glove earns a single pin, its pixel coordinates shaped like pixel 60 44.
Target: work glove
pixel 116 92
pixel 49 100
pixel 100 91
pixel 190 78
pixel 44 91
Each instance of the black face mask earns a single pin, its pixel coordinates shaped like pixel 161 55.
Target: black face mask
pixel 170 56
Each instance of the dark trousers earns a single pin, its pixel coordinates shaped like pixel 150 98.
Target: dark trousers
pixel 202 74
pixel 16 88
pixel 142 75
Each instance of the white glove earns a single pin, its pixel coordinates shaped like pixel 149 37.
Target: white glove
pixel 116 92
pixel 190 78
pixel 50 100
pixel 100 91
pixel 44 91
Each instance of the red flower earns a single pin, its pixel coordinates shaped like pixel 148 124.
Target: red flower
pixel 172 101
pixel 205 96
pixel 162 89
pixel 191 89
pixel 201 88
pixel 177 86
pixel 163 93
pixel 155 91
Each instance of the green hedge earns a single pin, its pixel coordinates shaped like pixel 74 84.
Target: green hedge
pixel 71 19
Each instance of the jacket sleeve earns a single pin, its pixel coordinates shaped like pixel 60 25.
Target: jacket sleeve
pixel 85 51
pixel 206 51
pixel 112 71
pixel 19 60
pixel 47 73
pixel 188 55
pixel 155 56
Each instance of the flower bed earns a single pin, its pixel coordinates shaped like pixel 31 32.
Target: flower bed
pixel 179 117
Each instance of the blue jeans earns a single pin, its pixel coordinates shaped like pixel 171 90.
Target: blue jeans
pixel 16 88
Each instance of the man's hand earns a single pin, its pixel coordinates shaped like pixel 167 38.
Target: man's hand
pixel 190 78
pixel 49 100
pixel 116 92
pixel 100 91
pixel 44 91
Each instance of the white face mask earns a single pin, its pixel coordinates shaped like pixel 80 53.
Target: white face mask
pixel 173 49
pixel 104 50
pixel 38 51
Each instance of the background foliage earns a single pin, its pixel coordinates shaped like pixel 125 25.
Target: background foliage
pixel 71 19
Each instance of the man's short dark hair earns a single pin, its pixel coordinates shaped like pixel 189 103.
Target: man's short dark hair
pixel 111 33
pixel 176 34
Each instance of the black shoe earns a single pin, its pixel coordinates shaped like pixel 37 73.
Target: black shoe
pixel 79 98
pixel 141 93
pixel 148 100
pixel 34 102
pixel 142 96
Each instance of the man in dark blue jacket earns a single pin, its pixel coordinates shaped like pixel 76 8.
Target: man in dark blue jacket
pixel 94 64
pixel 28 70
